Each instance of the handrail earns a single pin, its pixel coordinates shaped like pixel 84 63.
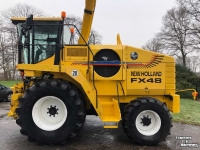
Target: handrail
pixel 119 42
pixel 194 94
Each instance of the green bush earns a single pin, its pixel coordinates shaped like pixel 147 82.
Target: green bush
pixel 186 79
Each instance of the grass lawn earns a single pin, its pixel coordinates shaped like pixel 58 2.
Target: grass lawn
pixel 190 112
pixel 8 83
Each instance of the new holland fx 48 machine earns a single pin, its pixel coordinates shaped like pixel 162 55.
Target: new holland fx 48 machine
pixel 63 82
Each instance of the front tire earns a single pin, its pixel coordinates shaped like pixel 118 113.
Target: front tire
pixel 51 112
pixel 147 121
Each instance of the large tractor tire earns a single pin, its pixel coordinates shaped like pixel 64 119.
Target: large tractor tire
pixel 51 112
pixel 147 121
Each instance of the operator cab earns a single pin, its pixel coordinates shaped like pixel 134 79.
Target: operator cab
pixel 40 38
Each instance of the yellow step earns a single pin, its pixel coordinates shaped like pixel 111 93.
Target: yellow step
pixel 110 113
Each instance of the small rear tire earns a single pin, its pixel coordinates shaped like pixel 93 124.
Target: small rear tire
pixel 147 121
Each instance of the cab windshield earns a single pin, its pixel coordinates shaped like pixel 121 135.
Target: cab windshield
pixel 40 42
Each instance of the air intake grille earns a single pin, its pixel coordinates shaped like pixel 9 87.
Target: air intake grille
pixel 77 52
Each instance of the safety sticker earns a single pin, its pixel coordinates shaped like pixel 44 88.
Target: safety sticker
pixel 74 73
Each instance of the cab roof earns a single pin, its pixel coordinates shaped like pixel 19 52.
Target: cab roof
pixel 16 20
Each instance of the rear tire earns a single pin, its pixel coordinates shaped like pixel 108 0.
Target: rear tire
pixel 51 112
pixel 147 121
pixel 8 97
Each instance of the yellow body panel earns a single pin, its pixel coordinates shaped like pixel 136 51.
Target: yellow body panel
pixel 39 67
pixel 141 73
pixel 136 78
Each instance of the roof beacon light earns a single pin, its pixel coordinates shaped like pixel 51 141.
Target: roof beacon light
pixel 63 14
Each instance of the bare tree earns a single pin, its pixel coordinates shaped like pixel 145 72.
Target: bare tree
pixel 12 36
pixel 8 37
pixel 175 34
pixel 193 63
pixel 21 10
pixel 180 34
pixel 192 7
pixel 154 45
pixel 5 57
pixel 95 37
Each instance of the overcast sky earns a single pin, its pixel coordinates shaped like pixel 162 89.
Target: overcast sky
pixel 136 20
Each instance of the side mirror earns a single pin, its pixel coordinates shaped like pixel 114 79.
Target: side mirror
pixel 29 22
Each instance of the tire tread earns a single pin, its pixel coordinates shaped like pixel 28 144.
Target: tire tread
pixel 65 86
pixel 131 106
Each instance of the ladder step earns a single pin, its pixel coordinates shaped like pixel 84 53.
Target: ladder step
pixel 110 124
pixel 109 113
pixel 110 118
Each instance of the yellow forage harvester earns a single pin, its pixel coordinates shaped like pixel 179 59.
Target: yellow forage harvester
pixel 65 80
